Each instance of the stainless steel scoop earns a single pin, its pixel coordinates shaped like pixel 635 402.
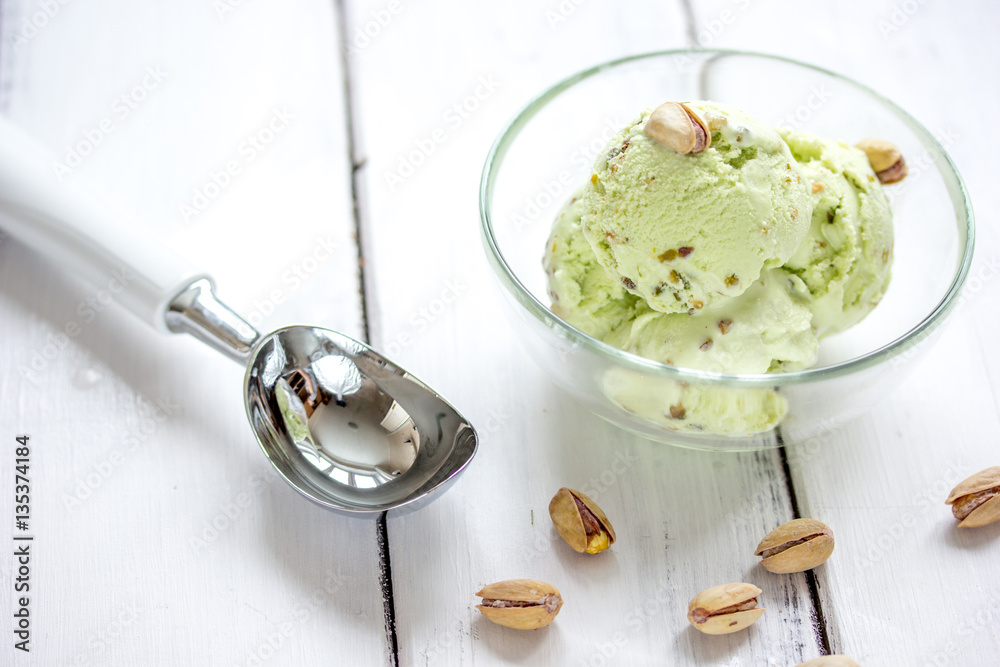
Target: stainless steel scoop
pixel 346 427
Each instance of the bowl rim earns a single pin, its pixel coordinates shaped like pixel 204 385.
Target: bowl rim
pixel 911 338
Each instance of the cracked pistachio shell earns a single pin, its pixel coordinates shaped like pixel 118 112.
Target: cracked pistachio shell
pixel 989 511
pixel 676 126
pixel 710 601
pixel 531 617
pixel 982 480
pixel 985 514
pixel 830 661
pixel 813 552
pixel 569 523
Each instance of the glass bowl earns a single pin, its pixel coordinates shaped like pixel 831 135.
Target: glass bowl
pixel 548 150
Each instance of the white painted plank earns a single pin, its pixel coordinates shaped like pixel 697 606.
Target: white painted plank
pixel 162 535
pixel 904 586
pixel 686 521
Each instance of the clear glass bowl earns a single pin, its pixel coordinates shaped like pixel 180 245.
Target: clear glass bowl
pixel 548 150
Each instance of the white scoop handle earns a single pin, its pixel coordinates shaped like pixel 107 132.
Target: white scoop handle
pixel 84 234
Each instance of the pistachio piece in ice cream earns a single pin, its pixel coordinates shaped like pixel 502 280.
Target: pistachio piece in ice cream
pixel 683 231
pixel 674 125
pixel 886 160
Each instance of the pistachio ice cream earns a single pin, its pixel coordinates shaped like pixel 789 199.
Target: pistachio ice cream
pixel 845 260
pixel 767 328
pixel 682 231
pixel 722 245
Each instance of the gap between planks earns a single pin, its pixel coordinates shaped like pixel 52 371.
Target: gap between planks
pixel 382 538
pixel 381 531
pixel 820 631
pixel 819 619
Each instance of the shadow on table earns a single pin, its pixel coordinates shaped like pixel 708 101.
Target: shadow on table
pixel 332 563
pixel 969 539
pixel 520 647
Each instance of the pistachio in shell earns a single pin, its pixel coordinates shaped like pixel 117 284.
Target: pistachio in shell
pixel 522 604
pixel 723 609
pixel 796 546
pixel 580 521
pixel 975 502
pixel 676 126
pixel 886 160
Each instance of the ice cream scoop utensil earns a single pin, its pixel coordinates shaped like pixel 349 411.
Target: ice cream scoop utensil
pixel 344 426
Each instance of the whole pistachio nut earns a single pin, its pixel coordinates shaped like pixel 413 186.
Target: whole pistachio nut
pixel 796 546
pixel 580 522
pixel 723 609
pixel 830 661
pixel 676 126
pixel 522 604
pixel 976 501
pixel 886 160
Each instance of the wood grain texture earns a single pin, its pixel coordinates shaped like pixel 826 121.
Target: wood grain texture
pixel 904 585
pixel 686 521
pixel 162 535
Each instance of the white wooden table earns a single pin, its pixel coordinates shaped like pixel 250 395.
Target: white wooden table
pixel 163 537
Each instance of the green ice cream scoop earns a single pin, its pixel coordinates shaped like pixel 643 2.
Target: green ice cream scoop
pixel 685 230
pixel 581 291
pixel 767 328
pixel 734 257
pixel 845 259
